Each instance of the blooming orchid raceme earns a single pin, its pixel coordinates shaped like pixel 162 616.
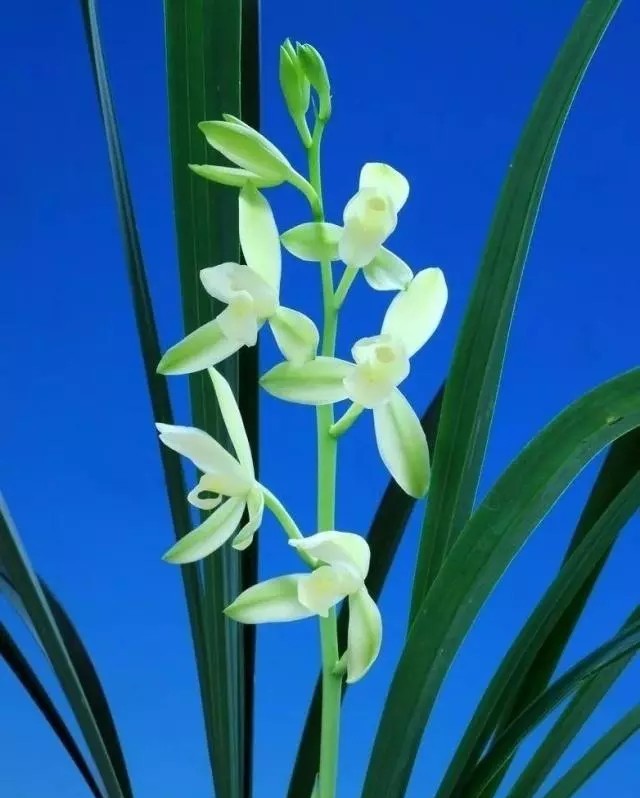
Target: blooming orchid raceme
pixel 251 293
pixel 231 481
pixel 380 364
pixel 342 566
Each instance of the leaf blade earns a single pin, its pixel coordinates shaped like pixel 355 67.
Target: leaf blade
pixel 19 665
pixel 473 380
pixel 614 499
pixel 597 755
pixel 494 534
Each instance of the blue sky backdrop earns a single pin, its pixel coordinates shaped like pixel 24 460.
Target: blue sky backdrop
pixel 439 90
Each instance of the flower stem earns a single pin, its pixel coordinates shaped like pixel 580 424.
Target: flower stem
pixel 345 421
pixel 292 531
pixel 327 450
pixel 350 274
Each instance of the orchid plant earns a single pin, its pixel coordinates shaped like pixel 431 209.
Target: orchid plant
pixel 310 374
pixel 467 541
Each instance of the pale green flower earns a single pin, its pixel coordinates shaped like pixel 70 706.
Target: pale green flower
pixel 227 486
pixel 319 241
pixel 343 563
pixel 380 364
pixel 251 293
pixel 371 214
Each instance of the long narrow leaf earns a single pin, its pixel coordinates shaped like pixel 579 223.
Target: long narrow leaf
pixel 385 534
pixel 248 377
pixel 27 677
pixel 596 756
pixel 614 499
pixel 27 587
pixel 611 486
pixel 204 71
pixel 494 534
pixel 623 645
pixel 473 381
pixel 565 729
pixel 147 334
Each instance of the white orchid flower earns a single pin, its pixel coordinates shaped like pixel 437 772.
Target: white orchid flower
pixel 369 218
pixel 371 214
pixel 380 364
pixel 251 293
pixel 227 486
pixel 343 563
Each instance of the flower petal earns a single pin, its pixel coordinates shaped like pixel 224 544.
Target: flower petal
pixel 248 149
pixel 232 176
pixel 385 178
pixel 207 455
pixel 227 280
pixel 369 219
pixel 337 548
pixel 313 241
pixel 296 335
pixel 326 586
pixel 364 636
pixel 269 602
pixel 318 382
pixel 413 315
pixel 206 484
pixel 204 347
pixel 402 444
pixel 387 272
pixel 210 535
pixel 232 420
pixel 255 506
pixel 239 321
pixel 259 237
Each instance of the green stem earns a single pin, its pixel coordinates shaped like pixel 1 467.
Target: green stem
pixel 350 274
pixel 290 527
pixel 345 421
pixel 327 450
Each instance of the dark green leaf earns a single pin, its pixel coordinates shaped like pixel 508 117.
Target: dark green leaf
pixel 596 756
pixel 14 658
pixel 565 729
pixel 206 66
pixel 614 499
pixel 622 646
pixel 474 378
pixel 491 538
pixel 385 534
pixel 148 337
pixel 96 730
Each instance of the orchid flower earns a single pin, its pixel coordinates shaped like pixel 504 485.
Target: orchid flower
pixel 380 364
pixel 251 293
pixel 369 218
pixel 230 479
pixel 342 566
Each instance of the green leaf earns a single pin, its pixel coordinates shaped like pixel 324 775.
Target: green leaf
pixel 491 538
pixel 474 378
pixel 565 729
pixel 27 677
pixel 597 755
pixel 149 341
pixel 388 525
pixel 212 54
pixel 614 499
pixel 621 646
pixel 96 726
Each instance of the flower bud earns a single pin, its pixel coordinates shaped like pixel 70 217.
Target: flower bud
pixel 316 72
pixel 293 82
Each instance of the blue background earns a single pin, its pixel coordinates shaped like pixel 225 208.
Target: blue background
pixel 439 90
